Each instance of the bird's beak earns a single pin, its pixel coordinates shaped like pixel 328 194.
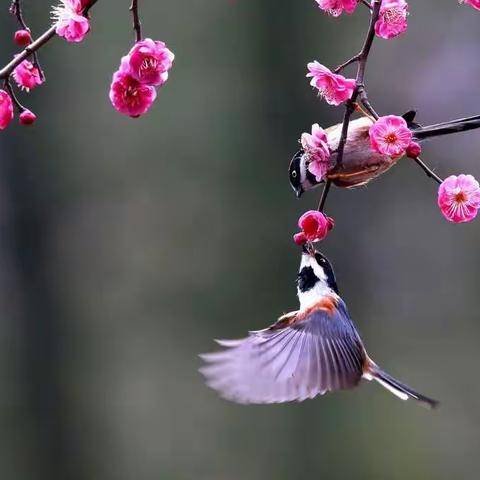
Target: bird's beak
pixel 308 248
pixel 299 191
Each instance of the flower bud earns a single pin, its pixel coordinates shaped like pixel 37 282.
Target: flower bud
pixel 414 150
pixel 27 117
pixel 23 38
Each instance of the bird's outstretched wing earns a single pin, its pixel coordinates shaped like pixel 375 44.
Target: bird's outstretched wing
pixel 299 357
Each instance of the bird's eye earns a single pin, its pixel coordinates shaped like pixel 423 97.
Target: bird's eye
pixel 294 174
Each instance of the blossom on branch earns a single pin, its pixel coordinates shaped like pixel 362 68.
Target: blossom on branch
pixel 315 227
pixel 148 62
pixel 390 136
pixel 459 198
pixel 70 22
pixel 145 67
pixel 334 88
pixel 27 75
pixel 6 109
pixel 317 151
pixel 392 20
pixel 336 7
pixel 130 97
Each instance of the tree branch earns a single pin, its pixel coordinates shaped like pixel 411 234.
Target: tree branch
pixel 31 49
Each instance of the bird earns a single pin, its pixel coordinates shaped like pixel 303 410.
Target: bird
pixel 305 353
pixel 360 163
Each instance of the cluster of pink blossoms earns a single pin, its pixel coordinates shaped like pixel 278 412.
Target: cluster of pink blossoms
pixel 458 197
pixel 392 20
pixel 27 76
pixel 132 91
pixel 70 22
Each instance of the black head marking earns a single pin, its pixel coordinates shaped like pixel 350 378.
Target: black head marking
pixel 328 269
pixel 294 172
pixel 306 279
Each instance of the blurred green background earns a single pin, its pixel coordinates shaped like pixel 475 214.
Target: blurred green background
pixel 127 245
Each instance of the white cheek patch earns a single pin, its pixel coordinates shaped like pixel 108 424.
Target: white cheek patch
pixel 312 296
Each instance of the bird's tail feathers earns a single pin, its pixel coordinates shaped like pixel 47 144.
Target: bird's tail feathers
pixel 399 389
pixel 445 128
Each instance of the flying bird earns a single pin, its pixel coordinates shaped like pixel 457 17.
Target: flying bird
pixel 306 353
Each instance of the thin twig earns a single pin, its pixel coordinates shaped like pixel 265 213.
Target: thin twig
pixel 137 25
pixel 16 9
pixel 325 191
pixel 14 98
pixel 368 5
pixel 347 63
pixel 429 172
pixel 6 71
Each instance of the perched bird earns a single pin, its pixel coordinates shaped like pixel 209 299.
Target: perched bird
pixel 306 353
pixel 360 162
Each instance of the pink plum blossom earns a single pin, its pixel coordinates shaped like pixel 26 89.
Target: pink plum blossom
pixel 148 62
pixel 392 20
pixel 390 136
pixel 27 75
pixel 23 38
pixel 6 109
pixel 336 7
pixel 129 96
pixel 473 3
pixel 316 148
pixel 27 117
pixel 459 198
pixel 314 225
pixel 334 88
pixel 69 20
